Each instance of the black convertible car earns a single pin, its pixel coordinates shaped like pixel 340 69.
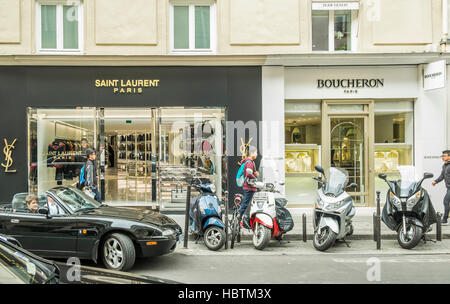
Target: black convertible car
pixel 70 223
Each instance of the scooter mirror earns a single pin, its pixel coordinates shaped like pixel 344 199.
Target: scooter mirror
pixel 353 185
pixel 427 175
pixel 319 169
pixel 382 176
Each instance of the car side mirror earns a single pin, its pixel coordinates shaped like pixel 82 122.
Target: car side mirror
pixel 319 169
pixel 382 176
pixel 428 175
pixel 43 210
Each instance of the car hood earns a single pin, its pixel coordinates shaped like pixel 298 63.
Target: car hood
pixel 94 275
pixel 132 214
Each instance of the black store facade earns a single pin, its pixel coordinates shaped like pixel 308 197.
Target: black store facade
pixel 149 125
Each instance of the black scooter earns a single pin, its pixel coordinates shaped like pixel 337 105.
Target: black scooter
pixel 408 209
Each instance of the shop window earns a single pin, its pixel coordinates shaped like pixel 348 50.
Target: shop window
pixel 192 27
pixel 394 134
pixel 333 30
pixel 302 150
pixel 59 26
pixel 58 139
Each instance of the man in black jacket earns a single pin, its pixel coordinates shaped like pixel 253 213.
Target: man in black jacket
pixel 445 176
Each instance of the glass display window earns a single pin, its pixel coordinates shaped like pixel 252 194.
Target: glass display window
pixel 302 150
pixel 394 139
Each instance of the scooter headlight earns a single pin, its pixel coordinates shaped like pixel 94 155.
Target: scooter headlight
pixel 413 200
pixel 212 187
pixel 260 204
pixel 334 206
pixel 395 200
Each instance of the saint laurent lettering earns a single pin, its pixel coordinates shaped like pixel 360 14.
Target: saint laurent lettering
pixel 350 83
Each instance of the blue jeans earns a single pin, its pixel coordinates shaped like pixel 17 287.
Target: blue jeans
pixel 97 196
pixel 248 195
pixel 446 205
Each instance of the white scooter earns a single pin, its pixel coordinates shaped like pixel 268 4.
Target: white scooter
pixel 268 217
pixel 333 209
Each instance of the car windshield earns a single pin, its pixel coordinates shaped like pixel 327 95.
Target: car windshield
pixel 337 179
pixel 18 268
pixel 75 199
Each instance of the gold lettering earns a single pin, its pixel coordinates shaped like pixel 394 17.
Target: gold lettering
pixel 7 150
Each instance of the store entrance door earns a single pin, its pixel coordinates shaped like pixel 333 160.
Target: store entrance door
pixel 347 144
pixel 128 156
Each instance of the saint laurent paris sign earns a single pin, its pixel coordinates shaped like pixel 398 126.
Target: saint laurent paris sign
pixel 128 86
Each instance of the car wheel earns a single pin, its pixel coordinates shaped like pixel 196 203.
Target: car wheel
pixel 118 252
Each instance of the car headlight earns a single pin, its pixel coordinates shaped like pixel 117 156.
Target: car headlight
pixel 395 200
pixel 142 233
pixel 168 232
pixel 412 201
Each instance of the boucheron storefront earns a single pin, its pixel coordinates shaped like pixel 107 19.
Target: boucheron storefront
pixel 149 125
pixel 365 119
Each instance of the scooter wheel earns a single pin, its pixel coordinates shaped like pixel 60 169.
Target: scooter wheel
pixel 325 239
pixel 214 238
pixel 412 237
pixel 261 236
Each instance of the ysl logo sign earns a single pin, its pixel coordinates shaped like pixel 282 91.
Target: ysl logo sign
pixel 7 150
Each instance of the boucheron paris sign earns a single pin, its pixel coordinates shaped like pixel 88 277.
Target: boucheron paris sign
pixel 127 86
pixel 350 85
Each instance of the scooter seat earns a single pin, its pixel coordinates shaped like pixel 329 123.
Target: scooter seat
pixel 281 201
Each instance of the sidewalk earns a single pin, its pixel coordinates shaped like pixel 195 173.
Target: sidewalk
pixel 362 222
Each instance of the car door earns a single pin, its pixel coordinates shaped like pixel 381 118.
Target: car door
pixel 50 236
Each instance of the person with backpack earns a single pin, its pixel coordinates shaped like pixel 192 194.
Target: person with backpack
pixel 249 174
pixel 91 182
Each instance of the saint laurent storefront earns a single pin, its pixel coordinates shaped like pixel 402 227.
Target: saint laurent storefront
pixel 149 126
pixel 364 119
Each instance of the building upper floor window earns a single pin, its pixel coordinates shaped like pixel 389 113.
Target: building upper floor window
pixel 192 27
pixel 334 26
pixel 59 26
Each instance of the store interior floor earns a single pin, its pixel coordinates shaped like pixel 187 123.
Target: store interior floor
pixel 121 189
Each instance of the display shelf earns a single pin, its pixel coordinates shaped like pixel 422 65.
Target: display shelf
pixel 300 159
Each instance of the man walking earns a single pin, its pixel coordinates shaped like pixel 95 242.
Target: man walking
pixel 445 176
pixel 250 174
pixel 91 175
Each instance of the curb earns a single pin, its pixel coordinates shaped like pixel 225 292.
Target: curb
pixel 309 237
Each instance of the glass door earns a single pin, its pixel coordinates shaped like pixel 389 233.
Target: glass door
pixel 347 136
pixel 349 152
pixel 128 156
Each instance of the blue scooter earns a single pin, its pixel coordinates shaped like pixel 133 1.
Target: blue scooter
pixel 205 215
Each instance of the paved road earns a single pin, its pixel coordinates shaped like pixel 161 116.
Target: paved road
pixel 298 262
pixel 297 270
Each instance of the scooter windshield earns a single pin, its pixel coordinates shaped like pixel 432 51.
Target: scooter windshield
pixel 337 179
pixel 409 181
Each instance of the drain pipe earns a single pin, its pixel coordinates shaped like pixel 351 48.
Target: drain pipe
pixel 443 42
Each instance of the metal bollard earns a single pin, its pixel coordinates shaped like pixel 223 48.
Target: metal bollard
pixel 186 220
pixel 304 226
pixel 438 228
pixel 226 219
pixel 378 221
pixel 374 226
